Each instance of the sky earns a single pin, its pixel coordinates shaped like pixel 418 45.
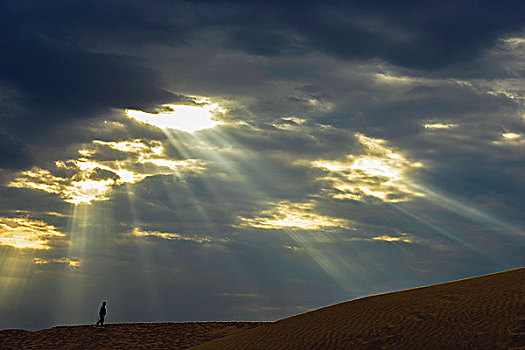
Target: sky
pixel 251 160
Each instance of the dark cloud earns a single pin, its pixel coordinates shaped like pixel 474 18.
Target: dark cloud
pixel 418 34
pixel 56 80
pixel 59 77
pixel 13 153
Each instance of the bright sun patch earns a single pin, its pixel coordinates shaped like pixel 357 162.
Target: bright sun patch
pixel 186 118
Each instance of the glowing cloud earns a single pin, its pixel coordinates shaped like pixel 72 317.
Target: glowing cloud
pixel 386 238
pixel 23 233
pixel 73 263
pixel 514 42
pixel 392 79
pixel 91 180
pixel 437 126
pixel 510 139
pixel 510 136
pixel 380 172
pixel 174 236
pixel 293 215
pixel 289 123
pixel 187 118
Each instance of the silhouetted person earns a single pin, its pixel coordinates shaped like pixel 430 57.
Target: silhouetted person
pixel 102 314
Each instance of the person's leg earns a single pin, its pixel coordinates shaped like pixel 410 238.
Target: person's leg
pixel 101 320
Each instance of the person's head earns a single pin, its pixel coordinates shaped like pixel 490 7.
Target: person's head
pixel 103 303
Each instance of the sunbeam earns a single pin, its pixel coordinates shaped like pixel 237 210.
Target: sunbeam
pixel 80 220
pixel 15 267
pixel 81 238
pixel 467 211
pixel 322 249
pixel 451 236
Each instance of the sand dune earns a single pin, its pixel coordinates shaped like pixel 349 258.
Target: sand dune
pixel 485 312
pixel 172 335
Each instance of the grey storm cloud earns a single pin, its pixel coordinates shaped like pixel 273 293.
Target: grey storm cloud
pixel 77 67
pixel 52 79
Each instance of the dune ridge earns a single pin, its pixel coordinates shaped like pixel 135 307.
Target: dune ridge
pixel 486 312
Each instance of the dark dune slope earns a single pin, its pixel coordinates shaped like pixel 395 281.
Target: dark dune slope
pixel 485 312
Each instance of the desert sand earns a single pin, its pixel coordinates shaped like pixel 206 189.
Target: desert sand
pixel 169 335
pixel 486 312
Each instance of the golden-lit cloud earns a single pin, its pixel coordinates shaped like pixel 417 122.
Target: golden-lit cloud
pixel 381 173
pixel 73 263
pixel 24 233
pixel 510 88
pixel 439 126
pixel 394 79
pixel 131 146
pixel 511 136
pixel 188 118
pixel 510 139
pixel 289 123
pixel 296 120
pixel 386 238
pixel 77 189
pixel 89 180
pixel 514 42
pixel 300 216
pixel 175 236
